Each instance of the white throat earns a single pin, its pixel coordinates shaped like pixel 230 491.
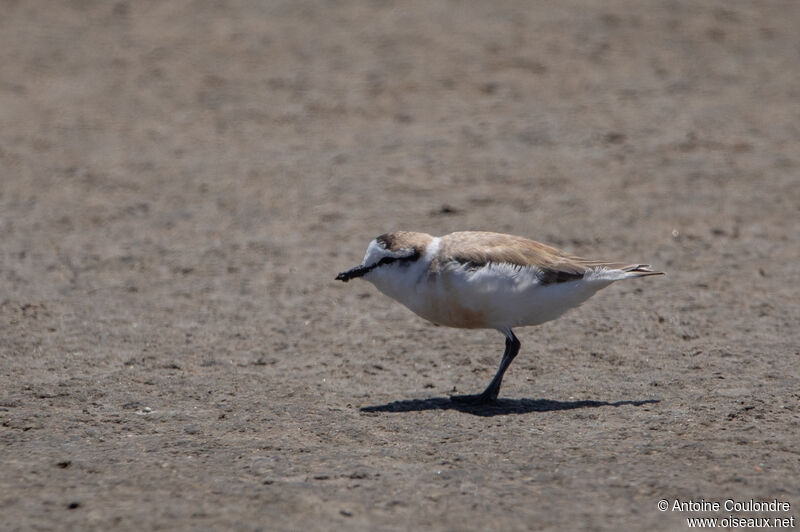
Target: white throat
pixel 402 281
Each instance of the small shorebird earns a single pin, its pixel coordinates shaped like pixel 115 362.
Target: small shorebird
pixel 480 280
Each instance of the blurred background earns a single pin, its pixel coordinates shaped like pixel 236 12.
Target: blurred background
pixel 181 180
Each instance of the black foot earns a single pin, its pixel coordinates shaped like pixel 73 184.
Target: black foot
pixel 477 399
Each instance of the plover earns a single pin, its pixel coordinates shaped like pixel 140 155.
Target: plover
pixel 485 280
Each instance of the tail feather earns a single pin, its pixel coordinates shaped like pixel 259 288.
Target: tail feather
pixel 639 270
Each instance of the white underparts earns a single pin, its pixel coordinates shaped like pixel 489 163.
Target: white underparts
pixel 496 296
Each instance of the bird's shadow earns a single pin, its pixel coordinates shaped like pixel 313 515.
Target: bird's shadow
pixel 500 408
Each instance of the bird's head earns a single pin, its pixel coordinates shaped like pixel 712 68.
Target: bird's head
pixel 399 249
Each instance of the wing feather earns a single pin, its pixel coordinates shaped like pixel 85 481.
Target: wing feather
pixel 476 249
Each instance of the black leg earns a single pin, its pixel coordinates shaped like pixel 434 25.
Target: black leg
pixel 489 395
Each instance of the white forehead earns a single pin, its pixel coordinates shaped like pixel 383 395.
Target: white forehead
pixel 375 252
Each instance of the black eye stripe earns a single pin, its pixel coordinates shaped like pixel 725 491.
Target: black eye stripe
pixel 360 270
pixel 388 260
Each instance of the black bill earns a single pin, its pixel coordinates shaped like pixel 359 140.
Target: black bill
pixel 352 273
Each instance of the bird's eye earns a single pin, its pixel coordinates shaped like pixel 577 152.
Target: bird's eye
pixel 387 260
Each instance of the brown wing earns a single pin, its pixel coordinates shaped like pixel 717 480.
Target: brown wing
pixel 477 249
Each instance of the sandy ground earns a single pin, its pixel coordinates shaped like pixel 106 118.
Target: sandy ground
pixel 180 182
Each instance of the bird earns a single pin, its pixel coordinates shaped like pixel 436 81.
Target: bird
pixel 485 280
